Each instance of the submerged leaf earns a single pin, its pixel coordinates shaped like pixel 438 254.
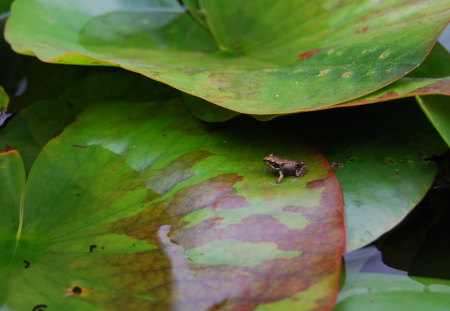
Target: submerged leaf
pixel 293 55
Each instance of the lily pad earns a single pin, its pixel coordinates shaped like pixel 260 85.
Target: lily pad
pixel 437 109
pixel 379 161
pixel 296 56
pixel 369 291
pixel 405 87
pixel 431 77
pixel 207 111
pixel 53 95
pixel 140 206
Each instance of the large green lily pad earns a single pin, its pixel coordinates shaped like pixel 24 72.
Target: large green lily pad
pixel 293 55
pixel 379 153
pixel 56 94
pixel 140 206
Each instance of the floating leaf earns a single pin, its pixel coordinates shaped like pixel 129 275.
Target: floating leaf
pixel 431 77
pixel 369 291
pixel 207 111
pixel 140 206
pixel 53 95
pixel 378 159
pixel 296 56
pixel 405 87
pixel 437 108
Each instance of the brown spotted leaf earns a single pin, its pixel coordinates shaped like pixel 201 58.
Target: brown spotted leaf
pixel 254 57
pixel 138 206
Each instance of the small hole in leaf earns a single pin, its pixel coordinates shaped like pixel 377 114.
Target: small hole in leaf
pixel 41 307
pixel 77 290
pixel 27 263
pixel 92 247
pixel 352 159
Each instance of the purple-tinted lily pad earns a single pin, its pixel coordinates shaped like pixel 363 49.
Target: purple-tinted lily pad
pixel 140 206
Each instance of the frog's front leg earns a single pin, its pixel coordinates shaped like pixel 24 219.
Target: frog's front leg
pixel 301 171
pixel 280 178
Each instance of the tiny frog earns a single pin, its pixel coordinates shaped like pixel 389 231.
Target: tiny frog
pixel 286 167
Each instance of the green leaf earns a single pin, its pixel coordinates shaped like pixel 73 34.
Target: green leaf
pixel 4 6
pixel 379 154
pixel 431 77
pixel 295 56
pixel 437 109
pixel 195 10
pixel 4 99
pixel 12 183
pixel 207 111
pixel 140 206
pixel 405 87
pixel 54 95
pixel 369 291
pixel 436 65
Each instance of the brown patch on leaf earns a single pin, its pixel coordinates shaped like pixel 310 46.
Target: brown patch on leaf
pixel 319 183
pixel 231 86
pixel 215 193
pixel 308 54
pixel 362 29
pixel 346 74
pixel 273 280
pixel 376 13
pixel 389 95
pixel 438 87
pixel 79 145
pixel 7 149
pixel 171 279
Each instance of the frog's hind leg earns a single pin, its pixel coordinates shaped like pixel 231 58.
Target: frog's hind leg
pixel 300 172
